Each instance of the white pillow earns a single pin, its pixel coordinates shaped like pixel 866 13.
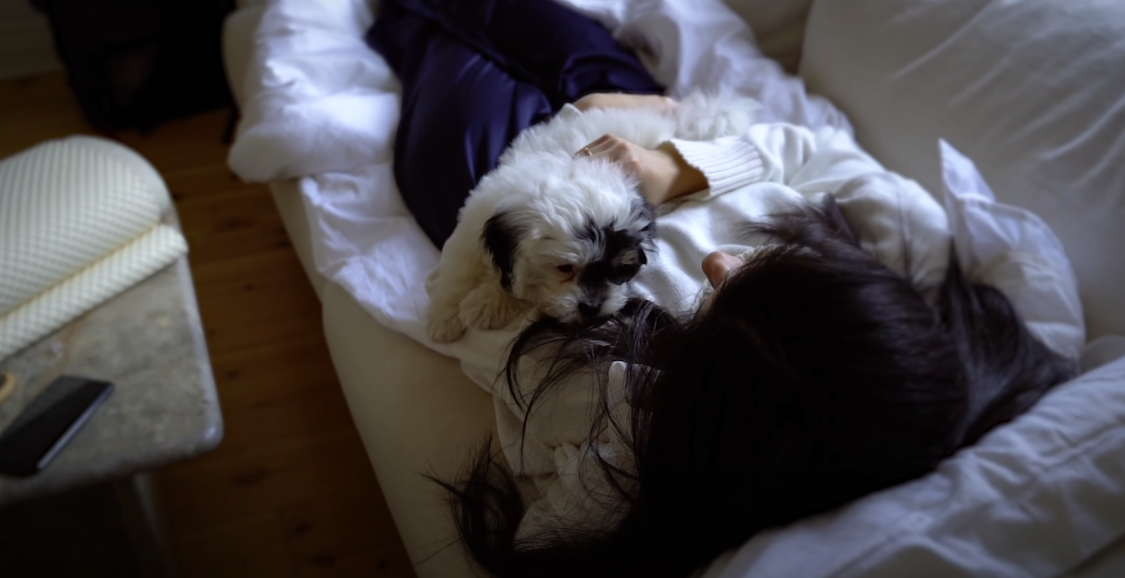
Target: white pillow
pixel 1030 90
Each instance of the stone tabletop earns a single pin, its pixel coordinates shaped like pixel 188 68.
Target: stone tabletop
pixel 148 341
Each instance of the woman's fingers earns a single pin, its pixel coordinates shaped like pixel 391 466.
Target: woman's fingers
pixel 599 147
pixel 717 265
pixel 606 145
pixel 605 138
pixel 653 169
pixel 632 157
pixel 615 149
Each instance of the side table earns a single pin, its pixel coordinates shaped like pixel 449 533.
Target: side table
pixel 149 342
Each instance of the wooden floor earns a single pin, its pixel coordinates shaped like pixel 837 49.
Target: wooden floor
pixel 290 491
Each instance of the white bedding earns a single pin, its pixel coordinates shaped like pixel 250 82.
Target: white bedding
pixel 319 102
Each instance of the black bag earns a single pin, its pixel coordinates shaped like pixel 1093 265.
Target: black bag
pixel 135 63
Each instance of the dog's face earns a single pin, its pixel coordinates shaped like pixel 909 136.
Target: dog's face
pixel 571 248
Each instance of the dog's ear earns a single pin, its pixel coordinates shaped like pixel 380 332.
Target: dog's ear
pixel 501 238
pixel 644 214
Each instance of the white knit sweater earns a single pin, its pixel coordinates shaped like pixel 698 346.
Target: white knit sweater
pixel 771 168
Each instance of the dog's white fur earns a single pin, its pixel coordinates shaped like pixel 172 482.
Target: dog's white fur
pixel 549 197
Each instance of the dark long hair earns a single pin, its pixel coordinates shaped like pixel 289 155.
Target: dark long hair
pixel 815 375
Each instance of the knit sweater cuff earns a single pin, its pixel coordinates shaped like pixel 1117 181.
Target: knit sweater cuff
pixel 728 163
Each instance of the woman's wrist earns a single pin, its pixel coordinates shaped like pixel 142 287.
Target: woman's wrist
pixel 683 178
pixel 620 100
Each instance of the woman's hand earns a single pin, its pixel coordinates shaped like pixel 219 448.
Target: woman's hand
pixel 663 174
pixel 619 100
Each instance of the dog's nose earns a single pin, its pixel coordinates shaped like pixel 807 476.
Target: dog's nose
pixel 589 310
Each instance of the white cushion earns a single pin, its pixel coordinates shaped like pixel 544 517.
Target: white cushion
pixel 1030 90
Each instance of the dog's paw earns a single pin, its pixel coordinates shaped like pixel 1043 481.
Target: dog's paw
pixel 445 328
pixel 489 308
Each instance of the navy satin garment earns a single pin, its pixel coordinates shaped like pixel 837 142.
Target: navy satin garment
pixel 474 74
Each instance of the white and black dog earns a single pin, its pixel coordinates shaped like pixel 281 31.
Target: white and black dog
pixel 560 234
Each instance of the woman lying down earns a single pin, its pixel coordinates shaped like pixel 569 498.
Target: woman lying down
pixel 801 336
pixel 839 351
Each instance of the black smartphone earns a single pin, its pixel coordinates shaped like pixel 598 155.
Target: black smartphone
pixel 44 427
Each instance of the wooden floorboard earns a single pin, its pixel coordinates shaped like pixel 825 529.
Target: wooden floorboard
pixel 289 492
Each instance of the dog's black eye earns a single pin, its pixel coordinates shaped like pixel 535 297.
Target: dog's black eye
pixel 623 273
pixel 566 269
